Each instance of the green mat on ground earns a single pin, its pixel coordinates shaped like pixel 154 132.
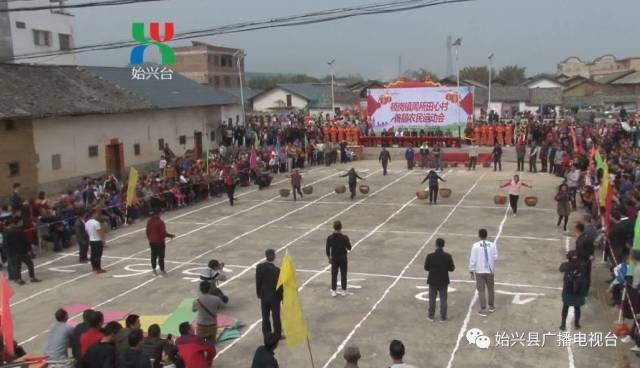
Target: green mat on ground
pixel 229 333
pixel 182 314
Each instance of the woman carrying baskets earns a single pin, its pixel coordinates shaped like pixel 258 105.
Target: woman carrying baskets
pixel 433 178
pixel 353 181
pixel 514 192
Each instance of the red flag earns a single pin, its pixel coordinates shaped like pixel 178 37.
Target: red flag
pixel 607 209
pixel 7 322
pixel 572 131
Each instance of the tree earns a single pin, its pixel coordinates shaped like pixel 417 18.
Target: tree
pixel 419 74
pixel 267 81
pixel 476 73
pixel 512 75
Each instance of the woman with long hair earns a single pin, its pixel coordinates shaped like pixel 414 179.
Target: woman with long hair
pixel 563 197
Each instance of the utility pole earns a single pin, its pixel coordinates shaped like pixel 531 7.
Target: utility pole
pixel 449 59
pixel 490 72
pixel 399 66
pixel 240 55
pixel 333 100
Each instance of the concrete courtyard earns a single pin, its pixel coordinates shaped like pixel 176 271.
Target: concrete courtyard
pixel 392 232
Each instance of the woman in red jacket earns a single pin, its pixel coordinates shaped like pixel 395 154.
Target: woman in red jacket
pixel 193 350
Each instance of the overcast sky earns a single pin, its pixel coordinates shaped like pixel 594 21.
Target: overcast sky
pixel 534 33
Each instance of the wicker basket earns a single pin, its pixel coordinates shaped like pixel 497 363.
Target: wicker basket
pixel 500 199
pixel 531 201
pixel 307 190
pixel 445 192
pixel 364 189
pixel 284 192
pixel 423 194
pixel 341 189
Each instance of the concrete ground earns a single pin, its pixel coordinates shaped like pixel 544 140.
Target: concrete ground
pixel 392 232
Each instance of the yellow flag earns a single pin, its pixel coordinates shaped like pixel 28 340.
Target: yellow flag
pixel 604 186
pixel 131 187
pixel 293 322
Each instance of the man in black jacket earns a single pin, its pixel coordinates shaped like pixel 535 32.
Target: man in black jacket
pixel 103 354
pixel 438 264
pixel 384 158
pixel 18 251
pixel 264 356
pixel 338 245
pixel 267 274
pixel 133 356
pixel 584 250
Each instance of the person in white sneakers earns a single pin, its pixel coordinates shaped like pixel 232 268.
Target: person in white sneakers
pixel 396 352
pixel 482 266
pixel 338 246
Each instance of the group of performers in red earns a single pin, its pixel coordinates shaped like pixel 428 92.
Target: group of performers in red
pixel 341 133
pixel 488 134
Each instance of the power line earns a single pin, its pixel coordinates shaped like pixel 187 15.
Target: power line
pixel 288 21
pixel 73 6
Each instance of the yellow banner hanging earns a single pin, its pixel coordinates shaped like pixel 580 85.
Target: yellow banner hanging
pixel 131 187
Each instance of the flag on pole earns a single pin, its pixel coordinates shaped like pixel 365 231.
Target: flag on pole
pixel 131 187
pixel 293 322
pixel 598 158
pixel 306 141
pixel 574 139
pixel 7 322
pixel 253 159
pixel 604 184
pixel 607 209
pixel 636 234
pixel 256 142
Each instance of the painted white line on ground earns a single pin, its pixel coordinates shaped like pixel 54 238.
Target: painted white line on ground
pixel 463 328
pixel 397 279
pixel 146 249
pixel 178 266
pixel 570 316
pixel 204 264
pixel 204 208
pixel 253 325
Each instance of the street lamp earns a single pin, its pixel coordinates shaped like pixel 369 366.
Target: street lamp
pixel 489 97
pixel 240 55
pixel 457 44
pixel 333 100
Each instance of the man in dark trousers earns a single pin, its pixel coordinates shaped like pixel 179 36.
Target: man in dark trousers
pixel 267 274
pixel 584 251
pixel 156 235
pixel 384 158
pixel 264 356
pixel 82 238
pixel 438 264
pixel 409 155
pixel 338 245
pixel 18 251
pixel 296 182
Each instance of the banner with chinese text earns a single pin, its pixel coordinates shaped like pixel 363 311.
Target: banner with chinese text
pixel 419 108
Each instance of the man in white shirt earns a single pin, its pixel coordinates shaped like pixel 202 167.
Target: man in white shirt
pixel 473 156
pixel 96 235
pixel 482 266
pixel 396 352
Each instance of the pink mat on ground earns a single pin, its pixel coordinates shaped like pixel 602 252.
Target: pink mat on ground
pixel 109 316
pixel 76 308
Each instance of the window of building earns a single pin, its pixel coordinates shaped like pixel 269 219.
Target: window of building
pixel 65 41
pixel 9 125
pixel 14 169
pixel 212 136
pixel 41 38
pixel 161 144
pixel 216 60
pixel 21 25
pixel 93 151
pixel 183 139
pixel 56 162
pixel 136 149
pixel 288 100
pixel 223 60
pixel 227 81
pixel 216 81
